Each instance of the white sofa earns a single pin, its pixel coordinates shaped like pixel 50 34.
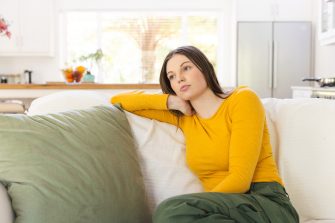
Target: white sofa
pixel 302 133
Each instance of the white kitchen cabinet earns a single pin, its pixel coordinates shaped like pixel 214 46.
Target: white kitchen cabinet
pixel 32 27
pixel 274 10
pixel 327 22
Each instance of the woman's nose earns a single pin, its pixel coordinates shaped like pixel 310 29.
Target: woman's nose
pixel 181 78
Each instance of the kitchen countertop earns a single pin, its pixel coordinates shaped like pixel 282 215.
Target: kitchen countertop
pixel 307 88
pixel 313 92
pixel 61 85
pixel 31 91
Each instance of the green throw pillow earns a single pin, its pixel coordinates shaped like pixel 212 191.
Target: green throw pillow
pixel 73 167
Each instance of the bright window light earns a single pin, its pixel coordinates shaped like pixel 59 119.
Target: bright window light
pixel 134 45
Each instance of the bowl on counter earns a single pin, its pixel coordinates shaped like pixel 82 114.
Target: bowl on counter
pixel 74 75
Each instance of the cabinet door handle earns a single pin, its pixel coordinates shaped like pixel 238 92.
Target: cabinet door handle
pixel 275 63
pixel 270 46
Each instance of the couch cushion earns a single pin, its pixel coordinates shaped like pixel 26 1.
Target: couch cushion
pixel 76 166
pixel 319 221
pixel 306 132
pixel 161 147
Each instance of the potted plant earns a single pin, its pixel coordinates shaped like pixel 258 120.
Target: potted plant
pixel 93 59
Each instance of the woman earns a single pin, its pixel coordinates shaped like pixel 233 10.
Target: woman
pixel 227 145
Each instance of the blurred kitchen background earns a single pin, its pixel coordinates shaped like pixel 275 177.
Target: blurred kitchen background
pixel 269 45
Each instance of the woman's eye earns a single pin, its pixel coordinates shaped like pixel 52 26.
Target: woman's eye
pixel 186 68
pixel 170 77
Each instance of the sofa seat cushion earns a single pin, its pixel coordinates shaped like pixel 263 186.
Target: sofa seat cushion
pixel 75 166
pixel 319 221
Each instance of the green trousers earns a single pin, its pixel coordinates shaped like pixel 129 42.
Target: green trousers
pixel 264 202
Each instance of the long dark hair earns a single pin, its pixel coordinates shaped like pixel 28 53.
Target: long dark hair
pixel 203 64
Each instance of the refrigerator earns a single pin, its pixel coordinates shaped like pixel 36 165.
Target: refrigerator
pixel 273 56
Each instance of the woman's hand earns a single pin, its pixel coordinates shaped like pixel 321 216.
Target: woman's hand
pixel 176 103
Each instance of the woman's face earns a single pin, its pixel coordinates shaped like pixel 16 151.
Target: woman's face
pixel 186 80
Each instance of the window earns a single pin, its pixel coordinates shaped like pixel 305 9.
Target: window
pixel 133 44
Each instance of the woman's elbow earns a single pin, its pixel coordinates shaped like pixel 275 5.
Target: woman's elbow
pixel 114 100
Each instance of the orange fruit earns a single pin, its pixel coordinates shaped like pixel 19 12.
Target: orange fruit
pixel 81 69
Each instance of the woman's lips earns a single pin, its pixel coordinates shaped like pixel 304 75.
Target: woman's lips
pixel 184 88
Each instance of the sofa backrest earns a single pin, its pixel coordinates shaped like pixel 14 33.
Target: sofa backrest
pixel 303 134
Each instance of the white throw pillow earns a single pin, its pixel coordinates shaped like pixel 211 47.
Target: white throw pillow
pixel 6 212
pixel 161 148
pixel 306 132
pixel 162 151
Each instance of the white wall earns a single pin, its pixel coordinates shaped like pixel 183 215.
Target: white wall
pixel 324 61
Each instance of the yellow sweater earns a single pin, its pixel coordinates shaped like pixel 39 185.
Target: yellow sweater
pixel 227 151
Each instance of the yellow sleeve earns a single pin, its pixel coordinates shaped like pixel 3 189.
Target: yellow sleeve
pixel 248 119
pixel 153 106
